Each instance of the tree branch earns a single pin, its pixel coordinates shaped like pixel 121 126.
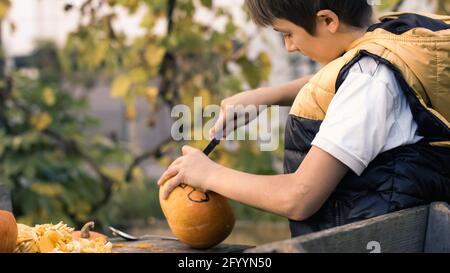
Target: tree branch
pixel 156 152
pixel 168 70
pixel 170 9
pixel 167 84
pixel 71 146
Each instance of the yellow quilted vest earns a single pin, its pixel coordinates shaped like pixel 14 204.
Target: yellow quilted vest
pixel 421 55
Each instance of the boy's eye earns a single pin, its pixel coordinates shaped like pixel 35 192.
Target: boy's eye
pixel 287 35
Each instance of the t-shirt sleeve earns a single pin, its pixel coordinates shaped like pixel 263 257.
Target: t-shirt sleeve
pixel 358 121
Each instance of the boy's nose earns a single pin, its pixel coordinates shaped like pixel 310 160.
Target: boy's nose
pixel 290 46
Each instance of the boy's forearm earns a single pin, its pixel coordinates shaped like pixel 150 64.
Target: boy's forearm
pixel 282 94
pixel 269 193
pixel 296 196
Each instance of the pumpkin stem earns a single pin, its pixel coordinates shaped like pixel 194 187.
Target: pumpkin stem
pixel 86 228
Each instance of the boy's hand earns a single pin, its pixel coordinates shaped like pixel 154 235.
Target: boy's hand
pixel 266 96
pixel 233 112
pixel 194 168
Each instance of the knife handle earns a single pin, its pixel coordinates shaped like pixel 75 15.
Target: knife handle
pixel 214 142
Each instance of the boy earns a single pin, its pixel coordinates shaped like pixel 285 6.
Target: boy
pixel 367 135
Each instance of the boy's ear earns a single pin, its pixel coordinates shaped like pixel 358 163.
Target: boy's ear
pixel 329 20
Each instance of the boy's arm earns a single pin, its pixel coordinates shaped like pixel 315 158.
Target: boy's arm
pixel 283 94
pixel 277 95
pixel 296 196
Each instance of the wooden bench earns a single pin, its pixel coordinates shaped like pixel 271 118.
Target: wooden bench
pixel 416 230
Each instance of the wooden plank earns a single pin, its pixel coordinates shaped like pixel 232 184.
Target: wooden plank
pixel 398 232
pixel 5 198
pixel 438 230
pixel 162 245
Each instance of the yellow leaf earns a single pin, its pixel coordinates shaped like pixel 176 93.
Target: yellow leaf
pixel 138 174
pixel 17 141
pixel 165 161
pixel 138 75
pixel 99 53
pixel 116 173
pixel 264 58
pixel 41 121
pixel 152 94
pixel 131 111
pixel 265 65
pixel 148 21
pixel 120 87
pixel 48 96
pixel 45 189
pixel 154 55
pixel 205 94
pixel 4 7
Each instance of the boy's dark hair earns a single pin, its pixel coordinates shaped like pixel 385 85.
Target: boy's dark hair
pixel 356 13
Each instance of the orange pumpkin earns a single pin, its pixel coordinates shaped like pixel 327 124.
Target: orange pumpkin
pixel 8 232
pixel 200 220
pixel 85 233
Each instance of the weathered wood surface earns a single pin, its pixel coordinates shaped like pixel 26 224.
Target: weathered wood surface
pixel 162 245
pixel 398 232
pixel 5 198
pixel 438 231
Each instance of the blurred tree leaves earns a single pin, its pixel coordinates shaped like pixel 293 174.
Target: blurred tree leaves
pixel 255 71
pixel 48 158
pixel 189 51
pixel 57 168
pixel 168 65
pixel 46 152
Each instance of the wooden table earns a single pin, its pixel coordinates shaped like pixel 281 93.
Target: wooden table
pixel 163 245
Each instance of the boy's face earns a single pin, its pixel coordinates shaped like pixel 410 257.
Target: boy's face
pixel 321 47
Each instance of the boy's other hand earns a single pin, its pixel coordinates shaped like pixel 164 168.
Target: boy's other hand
pixel 194 168
pixel 231 115
pixel 234 113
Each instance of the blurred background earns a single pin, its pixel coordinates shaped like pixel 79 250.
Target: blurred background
pixel 86 90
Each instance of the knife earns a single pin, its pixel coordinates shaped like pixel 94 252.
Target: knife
pixel 214 142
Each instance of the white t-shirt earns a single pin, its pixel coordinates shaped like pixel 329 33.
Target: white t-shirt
pixel 368 115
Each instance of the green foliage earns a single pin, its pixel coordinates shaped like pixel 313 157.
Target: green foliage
pixel 200 52
pixel 387 4
pixel 59 171
pixel 191 59
pixel 137 200
pixel 51 180
pixel 255 71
